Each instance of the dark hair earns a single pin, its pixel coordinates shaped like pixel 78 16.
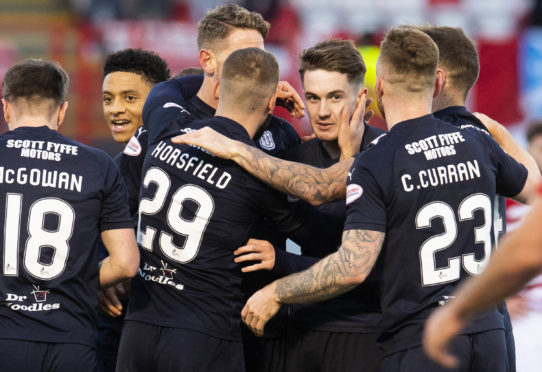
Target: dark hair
pixel 36 79
pixel 534 130
pixel 457 56
pixel 334 55
pixel 250 76
pixel 149 65
pixel 409 56
pixel 219 22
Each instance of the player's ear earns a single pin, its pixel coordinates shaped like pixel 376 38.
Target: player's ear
pixel 216 89
pixel 6 109
pixel 62 113
pixel 271 104
pixel 378 87
pixel 439 82
pixel 207 61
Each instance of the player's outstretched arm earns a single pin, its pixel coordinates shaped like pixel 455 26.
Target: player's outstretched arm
pixel 123 259
pixel 315 185
pixel 505 139
pixel 330 277
pixel 518 259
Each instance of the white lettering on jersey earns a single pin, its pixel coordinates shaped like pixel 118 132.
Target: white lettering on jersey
pixel 442 175
pixel 17 302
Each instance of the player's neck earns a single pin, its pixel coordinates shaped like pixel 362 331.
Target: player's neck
pixel 332 149
pixel 206 93
pixel 250 121
pixel 447 99
pixel 401 109
pixel 32 121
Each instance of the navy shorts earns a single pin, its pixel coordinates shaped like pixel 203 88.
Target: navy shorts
pixel 264 354
pixel 31 356
pixel 321 351
pixel 479 352
pixel 107 344
pixel 147 348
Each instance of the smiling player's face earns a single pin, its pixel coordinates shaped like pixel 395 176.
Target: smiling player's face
pixel 123 96
pixel 327 93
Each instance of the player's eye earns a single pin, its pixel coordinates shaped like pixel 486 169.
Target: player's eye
pixel 311 99
pixel 131 98
pixel 106 99
pixel 336 97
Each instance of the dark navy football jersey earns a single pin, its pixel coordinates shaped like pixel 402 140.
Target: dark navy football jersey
pixel 357 310
pixel 276 137
pixel 430 187
pixel 461 117
pixel 180 93
pixel 56 195
pixel 195 210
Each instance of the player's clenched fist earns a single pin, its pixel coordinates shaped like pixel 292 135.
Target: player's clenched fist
pixel 260 307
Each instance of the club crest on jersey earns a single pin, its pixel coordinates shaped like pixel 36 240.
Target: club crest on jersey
pixel 133 147
pixel 353 192
pixel 266 141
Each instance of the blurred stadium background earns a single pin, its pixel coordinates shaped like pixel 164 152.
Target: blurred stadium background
pixel 80 33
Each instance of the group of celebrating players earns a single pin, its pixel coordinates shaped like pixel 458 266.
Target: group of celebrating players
pixel 213 184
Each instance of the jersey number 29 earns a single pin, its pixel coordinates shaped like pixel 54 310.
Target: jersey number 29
pixel 192 229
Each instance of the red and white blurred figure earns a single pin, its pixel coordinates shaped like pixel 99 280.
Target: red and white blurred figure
pixel 526 307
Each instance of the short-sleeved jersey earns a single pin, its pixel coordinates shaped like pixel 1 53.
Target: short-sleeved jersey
pixel 277 137
pixel 359 309
pixel 430 187
pixel 195 210
pixel 462 118
pixel 180 93
pixel 56 195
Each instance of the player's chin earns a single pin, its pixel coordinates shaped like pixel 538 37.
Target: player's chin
pixel 326 135
pixel 121 137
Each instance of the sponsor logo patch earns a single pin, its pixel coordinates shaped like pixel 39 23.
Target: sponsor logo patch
pixel 133 147
pixel 353 192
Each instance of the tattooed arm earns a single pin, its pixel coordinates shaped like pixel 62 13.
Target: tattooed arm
pixel 330 277
pixel 315 185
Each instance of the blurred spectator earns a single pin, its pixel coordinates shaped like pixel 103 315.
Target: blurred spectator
pixel 121 9
pixel 525 308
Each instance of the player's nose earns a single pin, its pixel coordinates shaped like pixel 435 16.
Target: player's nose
pixel 323 110
pixel 117 107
